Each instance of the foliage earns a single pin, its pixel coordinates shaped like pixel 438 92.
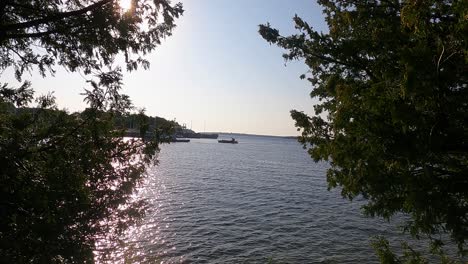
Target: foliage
pixel 409 255
pixel 81 35
pixel 134 120
pixel 392 118
pixel 67 180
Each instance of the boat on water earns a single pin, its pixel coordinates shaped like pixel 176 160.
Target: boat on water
pixel 231 141
pixel 180 140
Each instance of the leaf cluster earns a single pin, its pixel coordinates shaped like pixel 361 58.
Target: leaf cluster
pixel 392 118
pixel 83 35
pixel 67 181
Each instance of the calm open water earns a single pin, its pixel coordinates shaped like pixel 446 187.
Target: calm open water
pixel 262 198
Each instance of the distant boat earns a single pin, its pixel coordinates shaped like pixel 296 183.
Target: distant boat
pixel 191 134
pixel 232 141
pixel 180 140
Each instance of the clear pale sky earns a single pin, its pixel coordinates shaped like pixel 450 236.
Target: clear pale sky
pixel 215 73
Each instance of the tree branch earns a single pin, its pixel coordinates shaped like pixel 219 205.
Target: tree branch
pixel 332 60
pixel 52 18
pixel 29 35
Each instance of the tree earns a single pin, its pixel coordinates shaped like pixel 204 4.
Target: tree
pixel 392 118
pixel 67 180
pixel 81 35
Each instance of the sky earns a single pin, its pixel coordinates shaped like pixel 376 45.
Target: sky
pixel 215 73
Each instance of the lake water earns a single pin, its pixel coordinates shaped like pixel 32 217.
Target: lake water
pixel 248 202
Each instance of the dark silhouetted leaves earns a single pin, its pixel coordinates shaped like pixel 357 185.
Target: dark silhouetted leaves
pixel 392 118
pixel 67 180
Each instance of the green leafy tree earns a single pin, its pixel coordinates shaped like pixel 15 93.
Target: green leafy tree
pixel 392 118
pixel 67 180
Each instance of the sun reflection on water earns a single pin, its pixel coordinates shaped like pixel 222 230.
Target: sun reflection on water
pixel 137 243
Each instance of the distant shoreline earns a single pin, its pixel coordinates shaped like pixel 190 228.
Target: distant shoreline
pixel 246 134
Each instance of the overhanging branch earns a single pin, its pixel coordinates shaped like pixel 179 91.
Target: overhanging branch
pixel 29 35
pixel 52 18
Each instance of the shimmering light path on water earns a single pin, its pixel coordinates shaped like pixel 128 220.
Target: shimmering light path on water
pixel 262 198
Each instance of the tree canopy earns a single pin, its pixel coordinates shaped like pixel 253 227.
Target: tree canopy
pixel 392 118
pixel 83 35
pixel 67 180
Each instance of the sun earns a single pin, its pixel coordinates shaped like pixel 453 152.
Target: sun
pixel 125 4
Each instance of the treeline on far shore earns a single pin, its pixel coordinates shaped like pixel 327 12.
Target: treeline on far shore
pixel 132 123
pixel 136 123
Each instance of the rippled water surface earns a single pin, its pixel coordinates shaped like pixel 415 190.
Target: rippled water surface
pixel 262 198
